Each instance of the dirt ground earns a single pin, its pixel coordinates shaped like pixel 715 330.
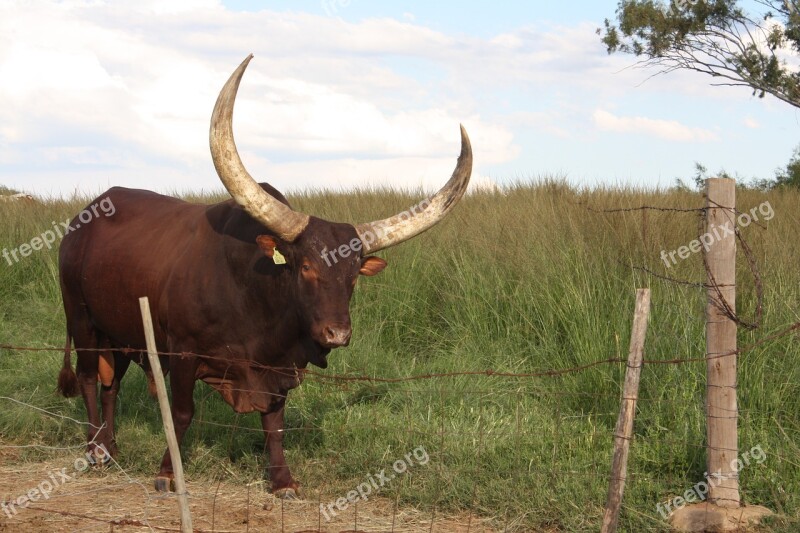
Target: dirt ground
pixel 102 500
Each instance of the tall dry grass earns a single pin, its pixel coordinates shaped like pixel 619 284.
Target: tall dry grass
pixel 532 278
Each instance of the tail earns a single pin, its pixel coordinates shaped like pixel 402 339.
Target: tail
pixel 67 380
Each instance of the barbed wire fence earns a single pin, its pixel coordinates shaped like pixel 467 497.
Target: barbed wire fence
pixel 571 461
pixel 598 440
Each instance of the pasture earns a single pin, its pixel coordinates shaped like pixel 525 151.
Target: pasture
pixel 532 279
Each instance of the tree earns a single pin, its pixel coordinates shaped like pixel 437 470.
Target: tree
pixel 790 175
pixel 699 178
pixel 715 37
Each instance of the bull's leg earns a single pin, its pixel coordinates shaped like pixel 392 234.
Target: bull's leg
pixel 86 369
pixel 108 399
pixel 181 380
pixel 87 342
pixel 283 485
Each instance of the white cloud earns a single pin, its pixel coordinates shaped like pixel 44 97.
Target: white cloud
pixel 551 122
pixel 507 40
pixel 751 123
pixel 100 93
pixel 670 130
pixel 112 85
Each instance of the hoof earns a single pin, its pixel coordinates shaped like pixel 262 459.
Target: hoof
pixel 164 484
pixel 289 493
pixel 98 456
pixel 113 451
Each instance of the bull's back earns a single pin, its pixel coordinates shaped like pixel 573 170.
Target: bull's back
pixel 132 248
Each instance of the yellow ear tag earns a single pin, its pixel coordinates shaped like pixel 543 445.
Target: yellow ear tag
pixel 278 258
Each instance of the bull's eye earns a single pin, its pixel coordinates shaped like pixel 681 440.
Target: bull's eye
pixel 306 267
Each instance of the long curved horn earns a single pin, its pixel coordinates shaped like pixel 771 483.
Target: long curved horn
pixel 276 216
pixel 403 226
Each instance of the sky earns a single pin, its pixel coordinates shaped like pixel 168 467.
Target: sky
pixel 349 93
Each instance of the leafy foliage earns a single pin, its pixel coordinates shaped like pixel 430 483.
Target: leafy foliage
pixel 789 175
pixel 715 37
pixel 698 182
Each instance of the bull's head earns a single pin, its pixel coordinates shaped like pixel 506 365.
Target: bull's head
pixel 325 258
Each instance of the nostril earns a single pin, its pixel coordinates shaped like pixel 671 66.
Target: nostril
pixel 337 336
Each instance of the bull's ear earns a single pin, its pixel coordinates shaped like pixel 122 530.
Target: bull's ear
pixel 267 243
pixel 372 265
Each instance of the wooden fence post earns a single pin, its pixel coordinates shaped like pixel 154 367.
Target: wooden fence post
pixel 721 410
pixel 166 416
pixel 624 430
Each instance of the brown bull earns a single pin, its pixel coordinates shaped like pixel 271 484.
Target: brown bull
pixel 249 284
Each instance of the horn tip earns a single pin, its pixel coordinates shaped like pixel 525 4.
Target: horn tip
pixel 466 145
pixel 464 136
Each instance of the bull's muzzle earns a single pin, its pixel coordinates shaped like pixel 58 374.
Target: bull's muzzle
pixel 335 336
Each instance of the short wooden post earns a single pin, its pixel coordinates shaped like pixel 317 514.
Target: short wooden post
pixel 624 431
pixel 166 416
pixel 721 410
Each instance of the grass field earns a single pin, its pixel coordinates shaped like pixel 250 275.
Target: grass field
pixel 517 282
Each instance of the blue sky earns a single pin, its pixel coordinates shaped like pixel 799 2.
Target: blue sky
pixel 344 93
pixel 482 18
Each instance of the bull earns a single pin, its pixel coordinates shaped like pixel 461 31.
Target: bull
pixel 243 293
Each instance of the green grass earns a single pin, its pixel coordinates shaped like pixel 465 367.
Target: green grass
pixel 514 282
